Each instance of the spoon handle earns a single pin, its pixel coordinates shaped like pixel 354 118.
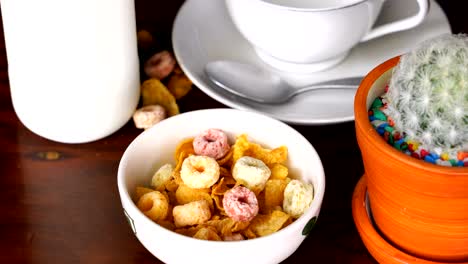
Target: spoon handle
pixel 345 83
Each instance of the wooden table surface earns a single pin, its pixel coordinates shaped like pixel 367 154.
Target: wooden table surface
pixel 59 202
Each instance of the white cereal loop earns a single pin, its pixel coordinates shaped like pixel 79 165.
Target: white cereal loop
pixel 154 205
pixel 148 116
pixel 199 171
pixel 251 172
pixel 162 175
pixel 298 197
pixel 193 213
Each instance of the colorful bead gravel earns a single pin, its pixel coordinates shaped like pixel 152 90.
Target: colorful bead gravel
pixel 384 126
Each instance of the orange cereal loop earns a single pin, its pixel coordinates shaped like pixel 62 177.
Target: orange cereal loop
pixel 139 191
pixel 154 205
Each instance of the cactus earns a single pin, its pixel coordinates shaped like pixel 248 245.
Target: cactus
pixel 428 94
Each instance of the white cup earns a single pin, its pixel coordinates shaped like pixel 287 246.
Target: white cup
pixel 315 34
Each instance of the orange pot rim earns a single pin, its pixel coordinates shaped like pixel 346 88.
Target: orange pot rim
pixel 362 122
pixel 379 248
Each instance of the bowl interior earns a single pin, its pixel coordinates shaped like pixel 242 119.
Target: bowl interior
pixel 156 146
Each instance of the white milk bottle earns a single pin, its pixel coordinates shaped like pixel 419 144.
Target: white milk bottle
pixel 73 66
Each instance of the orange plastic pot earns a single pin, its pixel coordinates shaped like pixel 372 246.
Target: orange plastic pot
pixel 419 207
pixel 379 248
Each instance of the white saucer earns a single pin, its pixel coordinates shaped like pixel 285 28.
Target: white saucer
pixel 203 32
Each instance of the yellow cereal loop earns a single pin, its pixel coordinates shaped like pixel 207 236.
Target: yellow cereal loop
pixel 199 171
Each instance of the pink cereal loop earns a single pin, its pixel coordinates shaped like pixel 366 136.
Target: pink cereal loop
pixel 212 143
pixel 160 65
pixel 240 204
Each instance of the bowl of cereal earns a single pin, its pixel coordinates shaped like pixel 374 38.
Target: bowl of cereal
pixel 221 185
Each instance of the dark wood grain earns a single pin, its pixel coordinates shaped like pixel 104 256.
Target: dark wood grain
pixel 59 202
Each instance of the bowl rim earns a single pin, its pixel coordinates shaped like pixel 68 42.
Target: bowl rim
pixel 312 211
pixel 362 123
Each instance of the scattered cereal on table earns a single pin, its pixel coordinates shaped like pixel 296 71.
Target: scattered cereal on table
pixel 160 65
pixel 148 116
pixel 154 92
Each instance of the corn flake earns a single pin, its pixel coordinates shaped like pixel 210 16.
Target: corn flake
pixel 185 194
pixel 154 92
pixel 207 233
pixel 279 171
pixel 274 189
pixel 185 146
pixel 263 225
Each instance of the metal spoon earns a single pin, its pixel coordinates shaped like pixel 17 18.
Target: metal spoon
pixel 258 85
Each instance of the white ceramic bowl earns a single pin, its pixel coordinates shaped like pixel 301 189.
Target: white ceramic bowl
pixel 155 147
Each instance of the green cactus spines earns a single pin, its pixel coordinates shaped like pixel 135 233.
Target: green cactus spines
pixel 428 94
